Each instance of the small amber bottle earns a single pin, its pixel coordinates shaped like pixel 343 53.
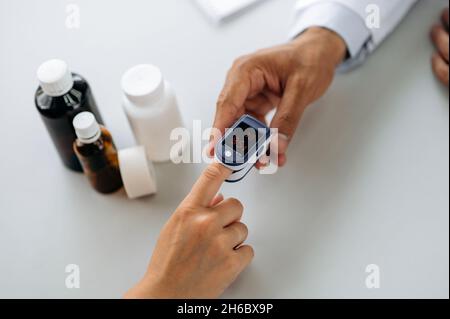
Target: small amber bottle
pixel 97 153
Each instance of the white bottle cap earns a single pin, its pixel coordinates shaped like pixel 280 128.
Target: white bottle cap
pixel 143 84
pixel 55 77
pixel 138 175
pixel 86 127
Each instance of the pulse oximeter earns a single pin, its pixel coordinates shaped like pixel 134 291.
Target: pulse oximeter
pixel 242 146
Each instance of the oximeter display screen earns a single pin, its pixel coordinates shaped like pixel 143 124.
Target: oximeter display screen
pixel 242 146
pixel 242 139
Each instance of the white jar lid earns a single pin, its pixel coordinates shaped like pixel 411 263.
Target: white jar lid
pixel 138 174
pixel 143 84
pixel 55 77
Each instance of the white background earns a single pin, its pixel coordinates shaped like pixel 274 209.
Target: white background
pixel 367 179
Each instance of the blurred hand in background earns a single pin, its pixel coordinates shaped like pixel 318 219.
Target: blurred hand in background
pixel 440 37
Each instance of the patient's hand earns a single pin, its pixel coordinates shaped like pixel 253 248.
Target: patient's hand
pixel 199 252
pixel 440 37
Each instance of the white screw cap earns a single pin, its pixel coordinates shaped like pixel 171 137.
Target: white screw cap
pixel 86 127
pixel 143 84
pixel 55 77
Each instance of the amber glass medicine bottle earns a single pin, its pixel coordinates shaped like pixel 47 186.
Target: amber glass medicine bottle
pixel 97 153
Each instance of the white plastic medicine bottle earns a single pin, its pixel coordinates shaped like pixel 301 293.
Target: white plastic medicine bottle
pixel 152 110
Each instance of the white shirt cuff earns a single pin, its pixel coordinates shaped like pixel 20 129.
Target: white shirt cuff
pixel 340 19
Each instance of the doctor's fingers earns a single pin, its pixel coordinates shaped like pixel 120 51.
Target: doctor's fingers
pixel 259 105
pixel 288 115
pixel 262 104
pixel 245 80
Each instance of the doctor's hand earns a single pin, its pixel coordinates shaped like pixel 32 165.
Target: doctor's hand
pixel 200 250
pixel 287 77
pixel 440 37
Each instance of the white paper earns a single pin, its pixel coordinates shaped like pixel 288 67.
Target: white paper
pixel 219 10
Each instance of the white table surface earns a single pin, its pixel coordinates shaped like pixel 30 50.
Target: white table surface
pixel 367 180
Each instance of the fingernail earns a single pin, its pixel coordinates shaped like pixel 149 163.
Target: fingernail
pixel 210 150
pixel 283 143
pixel 264 160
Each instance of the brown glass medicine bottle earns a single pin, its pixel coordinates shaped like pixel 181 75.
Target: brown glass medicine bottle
pixel 97 154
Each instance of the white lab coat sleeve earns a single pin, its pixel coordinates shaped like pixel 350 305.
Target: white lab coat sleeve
pixel 349 19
